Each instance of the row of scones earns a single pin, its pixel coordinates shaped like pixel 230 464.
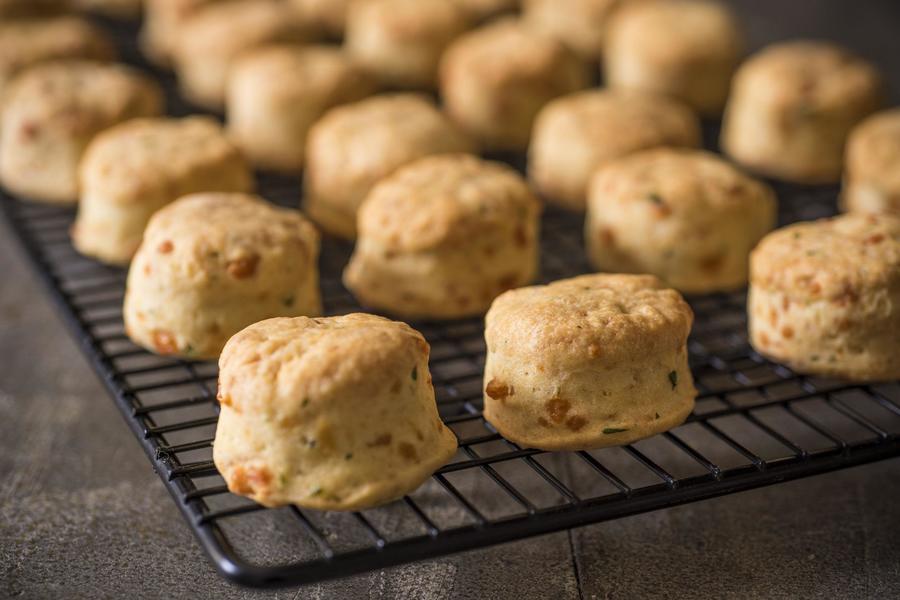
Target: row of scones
pixel 441 233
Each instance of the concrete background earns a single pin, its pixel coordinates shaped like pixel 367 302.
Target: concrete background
pixel 83 516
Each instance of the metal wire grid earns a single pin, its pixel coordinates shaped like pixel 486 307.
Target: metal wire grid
pixel 756 423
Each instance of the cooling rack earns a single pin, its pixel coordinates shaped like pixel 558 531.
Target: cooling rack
pixel 756 423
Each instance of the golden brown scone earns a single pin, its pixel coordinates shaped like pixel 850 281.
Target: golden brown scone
pixel 687 49
pixel 580 24
pixel 495 79
pixel 211 264
pixel 353 146
pixel 872 172
pixel 216 34
pixel 331 414
pixel 50 114
pixel 327 15
pixel 16 9
pixel 686 216
pixel 575 134
pixel 825 297
pixel 117 9
pixel 401 41
pixel 793 104
pixel 275 94
pixel 162 25
pixel 481 10
pixel 443 236
pixel 132 170
pixel 588 362
pixel 28 42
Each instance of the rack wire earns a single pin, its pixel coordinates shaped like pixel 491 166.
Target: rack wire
pixel 756 423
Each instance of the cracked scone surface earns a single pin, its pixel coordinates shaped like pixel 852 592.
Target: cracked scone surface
pixel 443 236
pixel 52 111
pixel 133 169
pixel 588 362
pixel 355 145
pixel 692 61
pixel 27 42
pixel 276 93
pixel 576 134
pixel 332 413
pixel 825 297
pixel 792 106
pixel 495 79
pixel 211 264
pixel 872 171
pixel 686 216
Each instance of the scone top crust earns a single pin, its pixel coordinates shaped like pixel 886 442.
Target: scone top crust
pixel 830 259
pixel 170 149
pixel 286 70
pixel 575 322
pixel 226 28
pixel 623 120
pixel 360 138
pixel 669 31
pixel 309 361
pixel 411 20
pixel 80 96
pixel 695 185
pixel 813 74
pixel 508 51
pixel 205 237
pixel 873 148
pixel 445 199
pixel 23 43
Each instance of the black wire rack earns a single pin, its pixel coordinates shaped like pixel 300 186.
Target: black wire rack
pixel 756 423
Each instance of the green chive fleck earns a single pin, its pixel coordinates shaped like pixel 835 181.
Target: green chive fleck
pixel 609 430
pixel 305 403
pixel 189 349
pixel 655 198
pixel 289 301
pixel 348 456
pixel 673 379
pixel 657 415
pixel 415 373
pixel 316 492
pixel 282 479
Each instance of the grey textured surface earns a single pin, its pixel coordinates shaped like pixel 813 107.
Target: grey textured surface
pixel 82 515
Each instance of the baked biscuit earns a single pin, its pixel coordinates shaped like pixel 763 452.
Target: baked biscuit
pixel 587 362
pixel 580 24
pixel 211 39
pixel 28 42
pixel 211 264
pixel 132 170
pixel 353 146
pixel 481 10
pixel 275 94
pixel 825 297
pixel 443 236
pixel 692 61
pixel 575 134
pixel 872 173
pixel 328 15
pixel 51 112
pixel 792 106
pixel 331 414
pixel 401 41
pixel 494 80
pixel 162 25
pixel 686 216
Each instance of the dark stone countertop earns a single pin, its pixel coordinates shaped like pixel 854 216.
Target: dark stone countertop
pixel 83 516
